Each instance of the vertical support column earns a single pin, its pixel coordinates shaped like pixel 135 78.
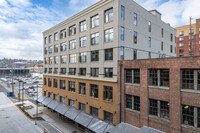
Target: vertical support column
pixel 158 74
pixel 175 99
pixel 195 79
pixel 195 117
pixel 144 96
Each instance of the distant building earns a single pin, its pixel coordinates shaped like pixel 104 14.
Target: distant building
pixel 187 46
pixel 16 71
pixel 161 93
pixel 36 68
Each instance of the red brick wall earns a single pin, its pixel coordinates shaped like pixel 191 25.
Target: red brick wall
pixel 173 94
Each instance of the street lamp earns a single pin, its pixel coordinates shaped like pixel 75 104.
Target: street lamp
pixel 19 90
pixel 23 92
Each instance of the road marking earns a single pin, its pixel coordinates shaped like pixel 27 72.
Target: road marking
pixel 44 127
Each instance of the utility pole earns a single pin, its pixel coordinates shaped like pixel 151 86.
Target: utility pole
pixel 36 107
pixel 12 82
pixel 19 91
pixel 22 92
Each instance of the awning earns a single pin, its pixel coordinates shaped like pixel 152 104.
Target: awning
pixel 72 113
pixel 84 119
pixel 97 125
pixel 109 127
pixel 53 104
pixel 46 101
pixel 41 99
pixel 62 108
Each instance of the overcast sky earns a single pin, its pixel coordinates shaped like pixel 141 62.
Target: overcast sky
pixel 23 21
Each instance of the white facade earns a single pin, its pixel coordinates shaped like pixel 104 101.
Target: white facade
pixel 114 26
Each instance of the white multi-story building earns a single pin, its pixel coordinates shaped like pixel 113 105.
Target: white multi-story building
pixel 86 48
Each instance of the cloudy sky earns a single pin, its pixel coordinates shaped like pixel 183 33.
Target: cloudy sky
pixel 23 21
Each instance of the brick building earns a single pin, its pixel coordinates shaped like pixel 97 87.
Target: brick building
pixel 161 93
pixel 183 39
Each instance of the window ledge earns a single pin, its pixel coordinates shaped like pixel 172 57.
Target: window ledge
pixel 159 87
pixel 159 118
pixel 190 91
pixel 190 127
pixel 135 111
pixel 108 101
pixel 132 84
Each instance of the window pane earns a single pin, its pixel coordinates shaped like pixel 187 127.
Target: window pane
pixel 164 109
pixel 153 77
pixel 188 79
pixel 153 107
pixel 164 78
pixel 129 101
pixel 188 115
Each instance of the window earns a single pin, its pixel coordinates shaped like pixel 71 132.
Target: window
pixel 95 21
pixel 162 32
pixel 108 15
pixel 62 99
pixel 187 79
pixel 50 50
pixel 108 54
pixel 122 12
pixel 72 71
pixel 181 39
pixel 55 70
pixel 72 44
pixel 133 102
pixel 153 77
pixel 149 26
pixel 181 45
pixel 50 70
pixel 122 33
pixel 136 76
pixel 55 97
pixel 135 54
pixel 135 19
pixel 50 60
pixel 198 123
pixel 49 82
pixel 108 93
pixel 149 42
pixel 181 33
pixel 63 59
pixel 129 77
pixel 135 37
pixel 82 107
pixel 94 111
pixel 108 35
pixel 121 53
pixel 95 39
pixel 82 87
pixel 45 70
pixel 153 107
pixel 62 33
pixel 149 55
pixel 63 46
pixel 188 115
pixel 63 71
pixel 45 93
pixel 49 94
pixel 94 55
pixel 171 48
pixel 45 81
pixel 171 36
pixel 164 109
pixel 83 42
pixel 62 84
pixel 108 72
pixel 181 51
pixel 192 43
pixel 164 77
pixel 55 48
pixel 82 57
pixel 72 58
pixel 72 30
pixel 45 50
pixel 162 46
pixel 83 26
pixel 56 60
pixel 56 36
pixel 71 86
pixel 72 103
pixel 192 31
pixel 191 38
pixel 94 91
pixel 198 81
pixel 45 40
pixel 50 39
pixel 94 72
pixel 83 71
pixel 108 116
